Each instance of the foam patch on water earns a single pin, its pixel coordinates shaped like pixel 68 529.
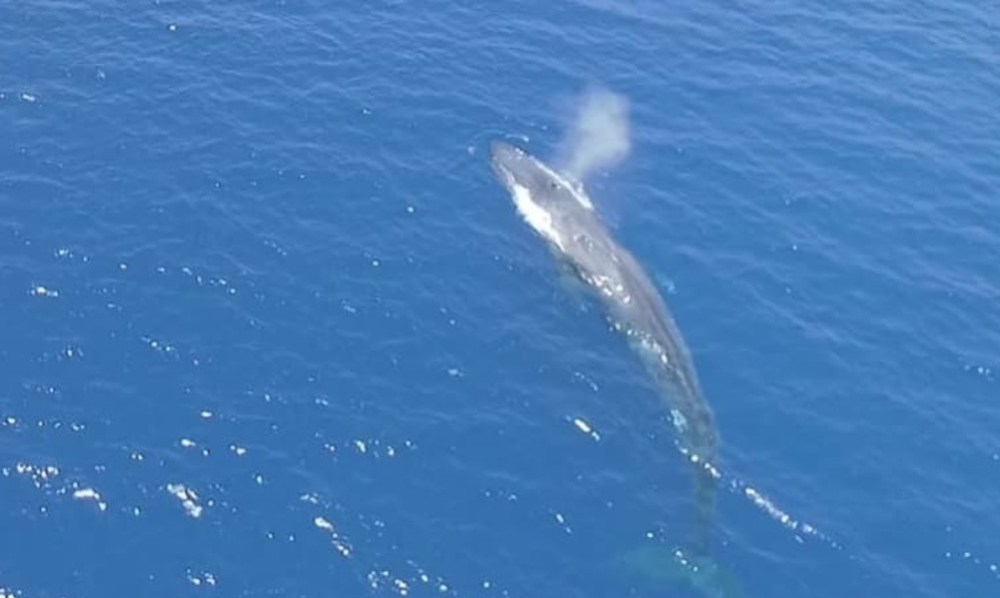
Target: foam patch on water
pixel 50 480
pixel 404 584
pixel 385 571
pixel 375 448
pixel 561 520
pixel 43 291
pixel 41 475
pixel 188 498
pixel 992 567
pixel 761 501
pixel 91 494
pixel 767 505
pixel 340 544
pixel 198 579
pixel 586 380
pixel 583 426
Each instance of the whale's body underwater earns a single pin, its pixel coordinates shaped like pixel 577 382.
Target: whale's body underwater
pixel 560 211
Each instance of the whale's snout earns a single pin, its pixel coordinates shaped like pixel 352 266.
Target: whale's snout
pixel 504 152
pixel 504 159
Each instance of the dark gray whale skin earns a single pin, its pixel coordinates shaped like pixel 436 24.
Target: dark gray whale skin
pixel 558 209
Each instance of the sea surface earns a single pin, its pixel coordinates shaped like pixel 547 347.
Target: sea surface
pixel 270 327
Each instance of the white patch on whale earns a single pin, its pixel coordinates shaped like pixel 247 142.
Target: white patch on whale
pixel 535 215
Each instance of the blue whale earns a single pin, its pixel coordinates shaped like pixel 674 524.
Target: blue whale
pixel 560 211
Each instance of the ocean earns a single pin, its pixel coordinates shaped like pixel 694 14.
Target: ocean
pixel 269 326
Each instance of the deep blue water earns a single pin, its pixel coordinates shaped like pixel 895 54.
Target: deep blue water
pixel 269 327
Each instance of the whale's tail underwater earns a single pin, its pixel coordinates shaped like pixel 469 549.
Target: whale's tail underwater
pixel 658 567
pixel 556 206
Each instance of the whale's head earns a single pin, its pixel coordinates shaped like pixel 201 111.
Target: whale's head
pixel 543 197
